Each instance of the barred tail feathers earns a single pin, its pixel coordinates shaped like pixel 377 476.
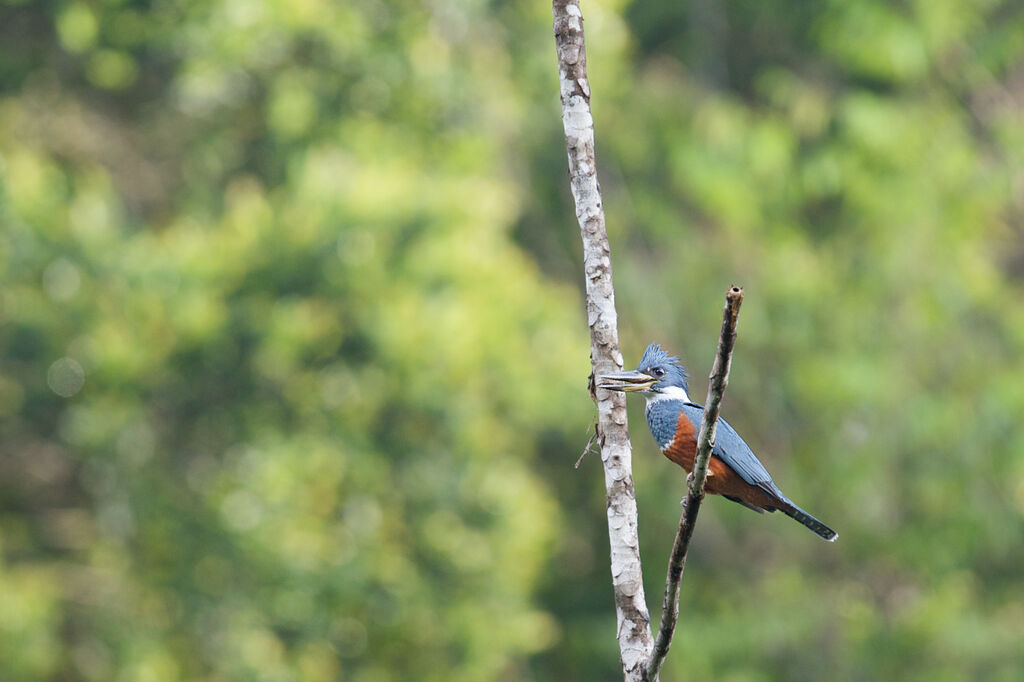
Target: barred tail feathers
pixel 819 528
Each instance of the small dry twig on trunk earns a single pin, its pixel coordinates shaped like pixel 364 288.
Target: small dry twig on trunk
pixel 634 633
pixel 695 491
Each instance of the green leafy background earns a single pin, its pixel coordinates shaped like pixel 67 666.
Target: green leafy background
pixel 293 351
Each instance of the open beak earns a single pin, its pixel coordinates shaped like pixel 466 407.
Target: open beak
pixel 627 382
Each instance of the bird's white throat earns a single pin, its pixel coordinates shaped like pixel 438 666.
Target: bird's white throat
pixel 670 393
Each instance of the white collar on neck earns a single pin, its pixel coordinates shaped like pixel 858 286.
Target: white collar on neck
pixel 670 393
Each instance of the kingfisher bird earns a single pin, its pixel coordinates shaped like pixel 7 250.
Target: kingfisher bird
pixel 733 470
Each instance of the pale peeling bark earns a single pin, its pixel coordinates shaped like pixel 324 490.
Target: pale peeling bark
pixel 719 379
pixel 634 634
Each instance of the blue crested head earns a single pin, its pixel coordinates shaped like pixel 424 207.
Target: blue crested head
pixel 658 364
pixel 659 376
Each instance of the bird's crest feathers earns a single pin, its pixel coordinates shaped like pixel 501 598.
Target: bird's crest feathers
pixel 675 374
pixel 654 356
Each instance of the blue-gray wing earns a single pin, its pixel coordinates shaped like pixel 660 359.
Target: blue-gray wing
pixel 734 452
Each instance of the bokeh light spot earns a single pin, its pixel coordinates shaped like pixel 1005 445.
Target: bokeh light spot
pixel 77 27
pixel 65 377
pixel 61 280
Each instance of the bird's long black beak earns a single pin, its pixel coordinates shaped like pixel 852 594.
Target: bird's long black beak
pixel 627 382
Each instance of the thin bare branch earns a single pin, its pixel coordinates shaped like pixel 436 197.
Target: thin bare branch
pixel 634 633
pixel 588 447
pixel 719 379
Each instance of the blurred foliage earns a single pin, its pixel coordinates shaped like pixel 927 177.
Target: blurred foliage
pixel 294 354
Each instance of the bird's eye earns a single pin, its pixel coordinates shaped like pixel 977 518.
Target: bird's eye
pixel 659 372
